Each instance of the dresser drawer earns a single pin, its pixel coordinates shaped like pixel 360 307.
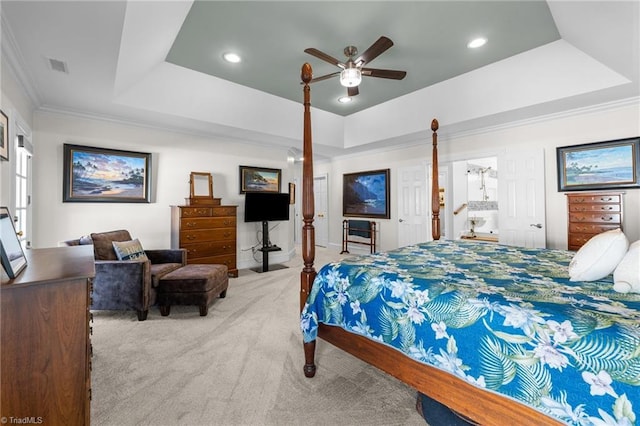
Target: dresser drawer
pixel 214 248
pixel 595 198
pixel 207 222
pixel 604 217
pixel 204 235
pixel 224 211
pixel 601 207
pixel 578 240
pixel 591 228
pixel 195 211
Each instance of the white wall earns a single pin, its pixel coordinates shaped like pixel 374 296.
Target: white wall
pixel 18 107
pixel 612 122
pixel 174 157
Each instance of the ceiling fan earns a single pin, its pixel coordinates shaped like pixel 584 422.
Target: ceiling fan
pixel 353 69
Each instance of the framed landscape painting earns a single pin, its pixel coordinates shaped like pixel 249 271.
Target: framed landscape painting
pixel 366 194
pixel 259 179
pixel 105 175
pixel 601 165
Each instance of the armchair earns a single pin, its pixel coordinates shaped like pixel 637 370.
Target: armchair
pixel 127 284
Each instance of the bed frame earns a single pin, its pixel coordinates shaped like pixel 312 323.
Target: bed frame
pixel 479 406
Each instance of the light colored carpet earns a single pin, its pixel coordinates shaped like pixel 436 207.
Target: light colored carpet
pixel 240 365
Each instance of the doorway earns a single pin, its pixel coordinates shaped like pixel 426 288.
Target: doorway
pixel 320 223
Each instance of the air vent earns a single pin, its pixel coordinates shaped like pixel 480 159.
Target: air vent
pixel 58 65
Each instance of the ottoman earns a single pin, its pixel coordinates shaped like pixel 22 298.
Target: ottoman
pixel 192 285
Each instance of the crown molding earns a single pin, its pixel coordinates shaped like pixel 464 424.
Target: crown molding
pixel 419 138
pixel 574 112
pixel 13 60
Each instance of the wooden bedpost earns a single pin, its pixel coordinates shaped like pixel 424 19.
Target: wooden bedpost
pixel 308 273
pixel 435 185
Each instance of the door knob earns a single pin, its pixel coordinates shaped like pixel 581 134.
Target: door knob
pixel 536 225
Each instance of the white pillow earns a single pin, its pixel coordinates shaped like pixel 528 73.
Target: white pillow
pixel 599 256
pixel 626 277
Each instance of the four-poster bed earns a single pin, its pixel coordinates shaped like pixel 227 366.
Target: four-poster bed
pixel 463 275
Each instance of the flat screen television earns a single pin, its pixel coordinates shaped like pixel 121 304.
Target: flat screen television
pixel 266 206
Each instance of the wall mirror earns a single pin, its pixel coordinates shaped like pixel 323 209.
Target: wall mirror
pixel 13 260
pixel 201 185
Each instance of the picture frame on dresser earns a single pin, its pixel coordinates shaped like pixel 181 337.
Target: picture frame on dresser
pixel 93 174
pixel 13 258
pixel 599 165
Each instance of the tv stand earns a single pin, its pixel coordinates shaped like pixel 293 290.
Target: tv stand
pixel 267 248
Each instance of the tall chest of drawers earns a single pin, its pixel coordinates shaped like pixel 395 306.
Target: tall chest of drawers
pixel 592 213
pixel 207 232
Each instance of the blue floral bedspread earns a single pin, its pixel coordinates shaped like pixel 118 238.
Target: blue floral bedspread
pixel 506 319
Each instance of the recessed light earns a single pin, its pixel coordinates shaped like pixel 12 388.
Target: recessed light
pixel 476 42
pixel 345 99
pixel 234 58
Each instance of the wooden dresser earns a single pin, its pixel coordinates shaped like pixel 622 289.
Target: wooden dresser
pixel 207 232
pixel 591 213
pixel 46 349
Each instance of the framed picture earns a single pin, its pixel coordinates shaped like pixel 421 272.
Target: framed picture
pixel 13 260
pixel 599 165
pixel 366 194
pixel 93 174
pixel 259 179
pixel 292 193
pixel 4 136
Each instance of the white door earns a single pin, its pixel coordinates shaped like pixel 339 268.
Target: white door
pixel 320 215
pixel 413 218
pixel 521 198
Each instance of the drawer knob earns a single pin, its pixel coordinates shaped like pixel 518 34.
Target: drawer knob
pixel 606 208
pixel 607 219
pixel 190 237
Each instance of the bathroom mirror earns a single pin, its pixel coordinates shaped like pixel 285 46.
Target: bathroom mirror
pixel 201 185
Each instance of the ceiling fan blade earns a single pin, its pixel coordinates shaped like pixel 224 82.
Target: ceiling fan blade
pixel 352 91
pixel 324 77
pixel 392 74
pixel 321 55
pixel 382 44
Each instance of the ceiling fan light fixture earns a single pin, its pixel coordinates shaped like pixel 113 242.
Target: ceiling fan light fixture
pixel 350 77
pixel 345 99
